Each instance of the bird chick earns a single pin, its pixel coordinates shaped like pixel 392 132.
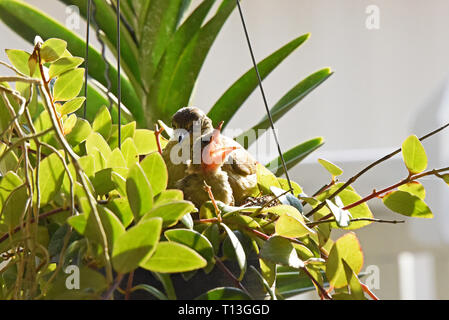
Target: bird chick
pixel 208 171
pixel 191 123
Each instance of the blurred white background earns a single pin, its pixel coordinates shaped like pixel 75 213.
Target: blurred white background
pixel 388 83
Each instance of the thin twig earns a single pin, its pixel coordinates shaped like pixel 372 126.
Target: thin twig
pixel 366 169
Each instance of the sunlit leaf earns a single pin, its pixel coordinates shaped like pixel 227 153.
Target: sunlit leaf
pixel 407 204
pixel 414 155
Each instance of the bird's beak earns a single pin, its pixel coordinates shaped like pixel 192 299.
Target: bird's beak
pixel 213 155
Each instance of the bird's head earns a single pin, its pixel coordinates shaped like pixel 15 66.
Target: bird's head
pixel 186 120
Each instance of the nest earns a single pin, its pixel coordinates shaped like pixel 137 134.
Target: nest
pixel 266 201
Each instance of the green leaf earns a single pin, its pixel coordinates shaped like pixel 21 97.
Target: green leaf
pixel 170 212
pixel 347 197
pixel 120 207
pixel 414 155
pixel 354 283
pixel 287 102
pixel 295 155
pixel 127 131
pixel 68 85
pixel 103 122
pixel 181 83
pixel 415 188
pixel 291 227
pixel 407 204
pixel 156 171
pixel 159 26
pixel 238 249
pixel 168 196
pixel 183 35
pixel 136 245
pixel 150 289
pixel 9 182
pixel 280 250
pixel 138 189
pixel 63 65
pixel 51 175
pixel 445 178
pixel 192 239
pixel 173 257
pixel 19 59
pixel 265 179
pixel 96 142
pixel 72 105
pixel 52 49
pixel 334 170
pixel 79 133
pixel 224 293
pixel 230 102
pixel 130 152
pixel 145 141
pixel 14 206
pixel 346 248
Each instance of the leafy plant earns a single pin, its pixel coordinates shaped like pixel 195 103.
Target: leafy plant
pixel 70 198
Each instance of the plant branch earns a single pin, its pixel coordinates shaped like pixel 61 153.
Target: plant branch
pixel 369 167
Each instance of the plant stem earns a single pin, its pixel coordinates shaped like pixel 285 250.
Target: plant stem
pixel 228 272
pixel 369 167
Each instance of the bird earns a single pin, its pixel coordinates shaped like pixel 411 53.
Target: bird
pixel 239 165
pixel 208 172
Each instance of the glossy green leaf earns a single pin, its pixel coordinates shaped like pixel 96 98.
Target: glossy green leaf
pixel 334 170
pixel 280 251
pixel 72 105
pixel 224 293
pixel 414 155
pixel 136 245
pixel 182 81
pixel 156 171
pixel 287 102
pixel 14 207
pixel 51 175
pixel 52 49
pixel 230 102
pixel 159 26
pixel 192 239
pixel 19 59
pixel 407 204
pixel 120 207
pixel 63 65
pixel 168 196
pixel 170 212
pixel 353 282
pixel 79 133
pixel 130 152
pixel 347 197
pixel 238 249
pixel 345 248
pixel 414 188
pixel 291 227
pixel 96 142
pixel 295 155
pixel 173 257
pixel 127 131
pixel 68 85
pixel 265 179
pixel 103 122
pixel 150 289
pixel 9 182
pixel 138 189
pixel 145 141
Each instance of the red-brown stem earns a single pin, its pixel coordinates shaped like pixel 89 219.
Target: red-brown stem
pixel 157 134
pixel 129 285
pixel 323 292
pixel 47 89
pixel 228 272
pixel 368 291
pixel 208 189
pixel 376 194
pixel 42 216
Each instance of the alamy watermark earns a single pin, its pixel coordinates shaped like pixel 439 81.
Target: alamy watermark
pixel 372 21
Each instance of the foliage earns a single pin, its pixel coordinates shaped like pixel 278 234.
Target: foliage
pixel 70 197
